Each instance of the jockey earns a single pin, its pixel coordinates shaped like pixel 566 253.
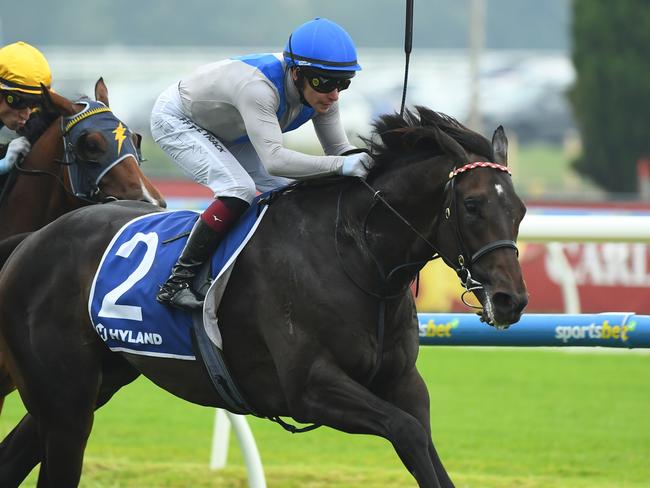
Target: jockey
pixel 223 125
pixel 23 69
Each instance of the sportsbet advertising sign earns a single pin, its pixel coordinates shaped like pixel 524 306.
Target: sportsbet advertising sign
pixel 606 329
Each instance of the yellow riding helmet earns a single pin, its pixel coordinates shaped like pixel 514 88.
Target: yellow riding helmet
pixel 23 68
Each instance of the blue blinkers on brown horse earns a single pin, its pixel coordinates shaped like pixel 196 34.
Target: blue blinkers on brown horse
pixel 75 161
pixel 318 321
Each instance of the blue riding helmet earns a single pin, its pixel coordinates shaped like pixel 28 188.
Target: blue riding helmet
pixel 320 43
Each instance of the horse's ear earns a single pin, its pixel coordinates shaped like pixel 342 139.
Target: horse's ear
pixel 137 140
pixel 451 147
pixel 55 103
pixel 48 104
pixel 101 92
pixel 500 146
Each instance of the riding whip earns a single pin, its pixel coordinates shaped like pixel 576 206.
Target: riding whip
pixel 408 44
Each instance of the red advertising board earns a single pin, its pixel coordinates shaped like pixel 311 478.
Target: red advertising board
pixel 610 277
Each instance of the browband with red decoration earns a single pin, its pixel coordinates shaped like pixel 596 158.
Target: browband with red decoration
pixel 479 164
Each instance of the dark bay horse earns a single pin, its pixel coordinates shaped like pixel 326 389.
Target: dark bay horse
pixel 39 189
pixel 300 317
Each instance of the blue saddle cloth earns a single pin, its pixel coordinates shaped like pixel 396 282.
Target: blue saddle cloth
pixel 122 303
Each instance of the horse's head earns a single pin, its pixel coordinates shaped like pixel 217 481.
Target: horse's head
pixel 477 234
pixel 430 160
pixel 101 153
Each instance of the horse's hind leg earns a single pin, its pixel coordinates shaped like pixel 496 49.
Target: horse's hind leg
pixel 20 452
pixel 332 398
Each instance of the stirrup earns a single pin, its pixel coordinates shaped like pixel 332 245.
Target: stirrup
pixel 179 295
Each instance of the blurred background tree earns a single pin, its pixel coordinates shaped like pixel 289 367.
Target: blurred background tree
pixel 611 96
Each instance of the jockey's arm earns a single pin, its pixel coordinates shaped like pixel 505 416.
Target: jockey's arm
pixel 258 110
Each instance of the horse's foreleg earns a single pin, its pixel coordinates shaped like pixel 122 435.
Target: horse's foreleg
pixel 20 452
pixel 409 393
pixel 332 398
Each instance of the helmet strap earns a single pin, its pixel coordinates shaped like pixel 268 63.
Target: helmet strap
pixel 299 83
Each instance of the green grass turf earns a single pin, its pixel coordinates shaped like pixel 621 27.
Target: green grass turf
pixel 501 418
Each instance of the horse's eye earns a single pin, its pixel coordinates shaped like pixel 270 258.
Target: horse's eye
pixel 95 145
pixel 90 147
pixel 472 205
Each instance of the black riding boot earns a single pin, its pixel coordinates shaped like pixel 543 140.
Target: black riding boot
pixel 177 290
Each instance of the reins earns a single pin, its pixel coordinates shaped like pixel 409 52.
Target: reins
pixel 41 172
pixel 383 297
pixel 385 277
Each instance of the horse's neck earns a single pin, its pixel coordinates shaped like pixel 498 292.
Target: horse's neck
pixel 29 207
pixel 35 200
pixel 396 225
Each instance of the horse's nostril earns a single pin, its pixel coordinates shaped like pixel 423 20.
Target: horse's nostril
pixel 505 301
pixel 502 300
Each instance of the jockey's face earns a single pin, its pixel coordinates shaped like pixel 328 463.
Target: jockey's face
pixel 320 102
pixel 13 118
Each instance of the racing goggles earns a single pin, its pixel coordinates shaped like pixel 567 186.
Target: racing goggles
pixel 20 102
pixel 326 84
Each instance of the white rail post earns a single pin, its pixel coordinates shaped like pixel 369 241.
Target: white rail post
pixel 220 439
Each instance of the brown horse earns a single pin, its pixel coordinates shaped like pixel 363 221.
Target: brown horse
pixel 39 189
pixel 318 321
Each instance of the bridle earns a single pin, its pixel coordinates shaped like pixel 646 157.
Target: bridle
pixel 463 263
pixel 85 174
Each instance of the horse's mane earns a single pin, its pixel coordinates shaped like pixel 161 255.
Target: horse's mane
pixel 415 132
pixel 37 124
pixel 394 135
